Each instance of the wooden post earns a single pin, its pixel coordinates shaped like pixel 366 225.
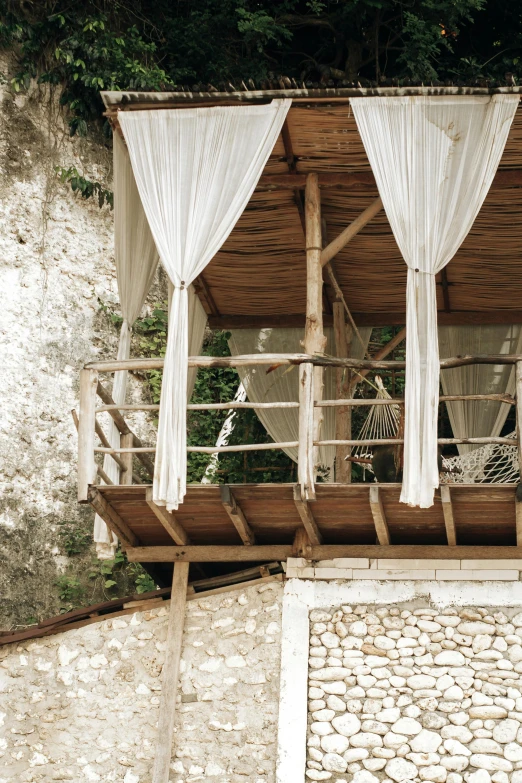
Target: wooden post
pixel 518 504
pixel 87 418
pixel 314 339
pixel 305 454
pixel 343 415
pixel 170 674
pixel 126 442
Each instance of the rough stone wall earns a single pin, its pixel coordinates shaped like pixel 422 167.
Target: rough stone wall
pixel 83 705
pixel 415 694
pixel 57 266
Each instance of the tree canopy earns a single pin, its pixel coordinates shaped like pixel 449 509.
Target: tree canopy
pixel 89 45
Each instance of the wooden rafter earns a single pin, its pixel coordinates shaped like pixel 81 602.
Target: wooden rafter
pixel 235 513
pixel 307 517
pixel 112 519
pixel 379 517
pixel 337 244
pixel 174 528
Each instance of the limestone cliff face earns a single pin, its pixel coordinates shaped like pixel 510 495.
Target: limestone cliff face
pixel 57 267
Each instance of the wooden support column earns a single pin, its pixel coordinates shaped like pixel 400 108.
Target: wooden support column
pixel 126 442
pixel 447 510
pixel 170 674
pixel 343 415
pixel 87 419
pixel 518 503
pixel 302 545
pixel 314 339
pixel 379 517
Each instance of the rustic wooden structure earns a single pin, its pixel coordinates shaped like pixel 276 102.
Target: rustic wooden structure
pixel 313 224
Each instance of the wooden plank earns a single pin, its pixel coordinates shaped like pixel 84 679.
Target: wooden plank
pixel 379 517
pixel 86 464
pixel 447 510
pixel 350 231
pixel 307 518
pixel 236 515
pixel 170 674
pixel 381 318
pixel 112 519
pixel 174 528
pixel 230 554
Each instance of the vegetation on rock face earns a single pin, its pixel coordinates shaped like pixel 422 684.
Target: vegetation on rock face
pixel 156 44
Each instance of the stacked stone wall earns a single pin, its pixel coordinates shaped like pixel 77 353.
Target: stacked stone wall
pixel 83 705
pixel 415 694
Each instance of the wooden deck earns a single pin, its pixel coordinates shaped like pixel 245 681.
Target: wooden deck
pixel 484 518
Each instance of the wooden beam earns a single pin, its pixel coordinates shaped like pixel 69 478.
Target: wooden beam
pixel 86 424
pixel 445 290
pixel 307 518
pixel 170 674
pixel 297 320
pixel 236 515
pixel 350 231
pixel 175 530
pixel 233 554
pixel 343 414
pixel 362 179
pixel 112 519
pixel 291 162
pixel 302 546
pixel 379 517
pixel 447 510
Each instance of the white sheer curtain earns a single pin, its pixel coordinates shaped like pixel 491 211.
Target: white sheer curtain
pixel 478 418
pixel 282 385
pixel 197 323
pixel 136 261
pixel 195 170
pixel 434 159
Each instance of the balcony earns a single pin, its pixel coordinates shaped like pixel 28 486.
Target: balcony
pixel 267 522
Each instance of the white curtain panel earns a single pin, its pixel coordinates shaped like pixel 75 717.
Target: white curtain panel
pixel 478 418
pixel 197 323
pixel 434 159
pixel 136 261
pixel 195 170
pixel 282 385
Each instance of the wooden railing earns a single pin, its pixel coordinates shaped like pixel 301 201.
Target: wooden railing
pixel 309 402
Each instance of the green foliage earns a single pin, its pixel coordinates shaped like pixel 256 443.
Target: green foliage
pixel 152 333
pixel 70 591
pixel 119 577
pixel 155 44
pixel 73 539
pixel 85 187
pixel 144 583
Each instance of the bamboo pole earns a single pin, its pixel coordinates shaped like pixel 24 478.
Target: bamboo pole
pixel 343 414
pixel 170 673
pixel 86 465
pixel 518 504
pixel 305 457
pixel 314 339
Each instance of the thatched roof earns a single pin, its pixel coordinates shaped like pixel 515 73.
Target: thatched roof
pixel 260 271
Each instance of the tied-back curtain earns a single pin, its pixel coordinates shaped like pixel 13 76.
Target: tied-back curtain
pixel 136 261
pixel 434 159
pixel 478 418
pixel 197 323
pixel 282 385
pixel 195 170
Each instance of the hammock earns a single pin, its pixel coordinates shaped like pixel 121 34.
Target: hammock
pixel 490 464
pixel 381 422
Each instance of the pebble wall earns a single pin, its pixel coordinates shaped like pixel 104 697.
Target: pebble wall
pixel 423 695
pixel 83 705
